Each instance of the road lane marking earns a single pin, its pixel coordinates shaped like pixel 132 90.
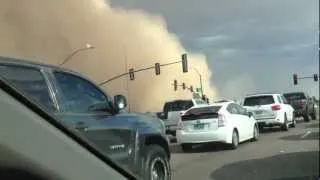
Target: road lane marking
pixel 305 134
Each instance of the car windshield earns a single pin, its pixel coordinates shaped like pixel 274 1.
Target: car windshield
pixel 258 100
pixel 294 96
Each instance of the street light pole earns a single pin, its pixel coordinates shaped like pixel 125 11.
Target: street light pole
pixel 200 77
pixel 88 46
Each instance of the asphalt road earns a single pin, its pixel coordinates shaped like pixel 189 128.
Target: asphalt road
pixel 290 155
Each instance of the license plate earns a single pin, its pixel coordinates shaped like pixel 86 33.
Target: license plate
pixel 198 126
pixel 258 112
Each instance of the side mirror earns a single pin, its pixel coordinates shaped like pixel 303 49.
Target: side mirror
pixel 250 114
pixel 160 115
pixel 120 102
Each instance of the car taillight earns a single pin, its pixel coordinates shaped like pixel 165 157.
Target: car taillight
pixel 275 107
pixel 221 120
pixel 180 123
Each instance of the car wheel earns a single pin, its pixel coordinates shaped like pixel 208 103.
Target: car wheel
pixel 294 122
pixel 235 140
pixel 186 147
pixel 156 165
pixel 285 125
pixel 255 136
pixel 306 117
pixel 313 115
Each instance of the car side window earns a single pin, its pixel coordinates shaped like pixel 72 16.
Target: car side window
pixel 30 82
pixel 284 100
pixel 78 94
pixel 240 109
pixel 232 109
pixel 279 99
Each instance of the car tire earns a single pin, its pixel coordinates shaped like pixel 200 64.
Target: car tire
pixel 285 125
pixel 255 136
pixel 306 118
pixel 313 115
pixel 186 147
pixel 235 140
pixel 294 123
pixel 155 163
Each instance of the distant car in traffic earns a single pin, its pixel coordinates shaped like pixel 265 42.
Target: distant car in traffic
pixel 135 141
pixel 172 111
pixel 225 122
pixel 304 106
pixel 270 109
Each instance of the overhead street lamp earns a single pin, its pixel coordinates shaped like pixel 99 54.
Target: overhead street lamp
pixel 200 78
pixel 87 47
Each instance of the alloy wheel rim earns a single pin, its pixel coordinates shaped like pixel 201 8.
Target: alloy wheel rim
pixel 158 169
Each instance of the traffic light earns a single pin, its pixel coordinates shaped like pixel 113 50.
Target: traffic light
pixel 315 77
pixel 295 79
pixel 191 88
pixel 175 85
pixel 157 68
pixel 204 98
pixel 183 86
pixel 131 74
pixel 184 63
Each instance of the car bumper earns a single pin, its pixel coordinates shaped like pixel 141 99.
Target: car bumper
pixel 220 135
pixel 300 112
pixel 269 122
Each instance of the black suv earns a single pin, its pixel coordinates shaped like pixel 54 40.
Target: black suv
pixel 135 141
pixel 303 105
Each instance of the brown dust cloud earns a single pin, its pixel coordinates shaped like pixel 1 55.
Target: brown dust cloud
pixel 48 31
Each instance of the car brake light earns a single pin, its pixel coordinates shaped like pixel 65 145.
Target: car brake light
pixel 221 120
pixel 180 123
pixel 276 107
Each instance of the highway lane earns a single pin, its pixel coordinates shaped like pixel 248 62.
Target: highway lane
pixel 277 155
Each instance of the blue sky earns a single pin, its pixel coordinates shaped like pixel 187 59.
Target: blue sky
pixel 250 45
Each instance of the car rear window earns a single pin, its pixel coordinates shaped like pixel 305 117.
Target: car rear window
pixel 258 100
pixel 294 96
pixel 201 113
pixel 177 105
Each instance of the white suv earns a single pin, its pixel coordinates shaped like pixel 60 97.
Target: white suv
pixel 270 110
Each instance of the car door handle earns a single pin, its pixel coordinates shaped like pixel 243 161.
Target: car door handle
pixel 81 126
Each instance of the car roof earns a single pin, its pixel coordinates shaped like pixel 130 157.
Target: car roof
pixel 31 64
pixel 212 104
pixel 28 63
pixel 176 100
pixel 298 92
pixel 262 94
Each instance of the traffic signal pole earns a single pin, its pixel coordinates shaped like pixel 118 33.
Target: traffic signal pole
pixel 184 67
pixel 296 78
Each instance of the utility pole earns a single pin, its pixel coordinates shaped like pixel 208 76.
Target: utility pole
pixel 127 82
pixel 200 78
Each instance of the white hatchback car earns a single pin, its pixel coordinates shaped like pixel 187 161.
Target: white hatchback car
pixel 225 122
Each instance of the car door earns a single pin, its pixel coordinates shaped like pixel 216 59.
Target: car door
pixel 76 97
pixel 114 134
pixel 236 120
pixel 246 121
